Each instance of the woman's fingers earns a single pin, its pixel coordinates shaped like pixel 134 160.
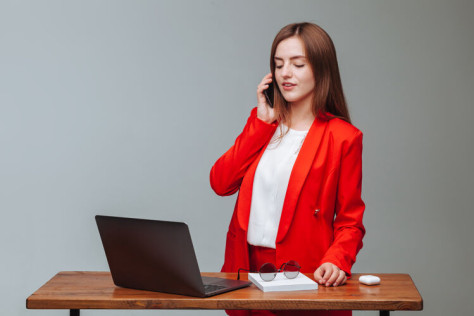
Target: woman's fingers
pixel 323 273
pixel 264 111
pixel 329 274
pixel 265 82
pixel 333 277
pixel 263 85
pixel 267 78
pixel 341 279
pixel 318 275
pixel 328 269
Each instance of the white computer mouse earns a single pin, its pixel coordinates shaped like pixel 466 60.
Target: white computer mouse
pixel 369 279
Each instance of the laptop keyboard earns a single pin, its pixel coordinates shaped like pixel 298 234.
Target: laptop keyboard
pixel 212 287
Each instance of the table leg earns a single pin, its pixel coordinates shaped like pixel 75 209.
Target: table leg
pixel 74 312
pixel 384 313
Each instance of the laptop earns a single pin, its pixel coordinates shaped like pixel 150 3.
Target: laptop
pixel 156 256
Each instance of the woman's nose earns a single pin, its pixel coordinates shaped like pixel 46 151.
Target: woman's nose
pixel 286 71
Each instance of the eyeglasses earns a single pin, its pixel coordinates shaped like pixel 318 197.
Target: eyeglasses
pixel 268 271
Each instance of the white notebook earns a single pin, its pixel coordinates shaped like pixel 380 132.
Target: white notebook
pixel 282 283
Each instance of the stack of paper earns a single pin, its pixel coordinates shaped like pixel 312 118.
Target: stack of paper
pixel 282 283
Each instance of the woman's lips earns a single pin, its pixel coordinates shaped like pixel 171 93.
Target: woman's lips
pixel 287 86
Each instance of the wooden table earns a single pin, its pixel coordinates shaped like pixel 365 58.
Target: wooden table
pixel 95 290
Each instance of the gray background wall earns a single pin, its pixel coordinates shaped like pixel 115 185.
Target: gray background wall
pixel 122 107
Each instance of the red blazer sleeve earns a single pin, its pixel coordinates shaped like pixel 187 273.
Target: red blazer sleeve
pixel 229 170
pixel 348 227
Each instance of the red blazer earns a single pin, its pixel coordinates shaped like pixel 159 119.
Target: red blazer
pixel 321 220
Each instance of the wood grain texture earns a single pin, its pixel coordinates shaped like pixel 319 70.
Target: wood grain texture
pixel 96 290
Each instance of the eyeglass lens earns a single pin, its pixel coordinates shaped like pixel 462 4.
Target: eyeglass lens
pixel 268 272
pixel 291 269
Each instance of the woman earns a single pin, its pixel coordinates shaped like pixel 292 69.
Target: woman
pixel 297 167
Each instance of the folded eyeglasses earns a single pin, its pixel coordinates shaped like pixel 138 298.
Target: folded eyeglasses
pixel 268 271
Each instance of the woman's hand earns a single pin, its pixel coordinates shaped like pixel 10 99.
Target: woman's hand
pixel 329 274
pixel 264 111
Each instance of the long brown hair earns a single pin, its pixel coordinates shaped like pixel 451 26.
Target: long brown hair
pixel 328 96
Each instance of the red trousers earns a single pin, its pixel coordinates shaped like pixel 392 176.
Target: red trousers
pixel 258 256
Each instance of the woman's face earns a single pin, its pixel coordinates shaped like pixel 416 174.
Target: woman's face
pixel 293 72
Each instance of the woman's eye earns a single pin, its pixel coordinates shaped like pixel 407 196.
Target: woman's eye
pixel 278 66
pixel 299 66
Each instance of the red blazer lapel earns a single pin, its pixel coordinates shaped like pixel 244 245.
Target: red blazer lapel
pixel 298 176
pixel 299 173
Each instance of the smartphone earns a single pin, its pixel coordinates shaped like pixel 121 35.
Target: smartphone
pixel 269 94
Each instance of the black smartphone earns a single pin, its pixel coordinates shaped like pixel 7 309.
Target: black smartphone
pixel 269 94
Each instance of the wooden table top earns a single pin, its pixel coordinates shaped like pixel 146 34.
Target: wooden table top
pixel 96 290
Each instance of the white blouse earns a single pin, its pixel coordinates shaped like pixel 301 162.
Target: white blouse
pixel 270 184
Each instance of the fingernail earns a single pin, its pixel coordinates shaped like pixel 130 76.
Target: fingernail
pixel 335 284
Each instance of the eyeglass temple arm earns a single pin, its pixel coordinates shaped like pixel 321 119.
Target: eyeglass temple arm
pixel 286 263
pixel 238 272
pixel 282 265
